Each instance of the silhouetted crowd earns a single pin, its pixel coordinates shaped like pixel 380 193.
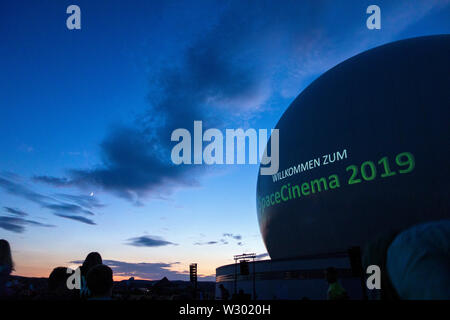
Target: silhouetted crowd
pixel 93 280
pixel 414 263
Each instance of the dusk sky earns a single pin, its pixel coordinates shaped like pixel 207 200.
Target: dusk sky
pixel 86 117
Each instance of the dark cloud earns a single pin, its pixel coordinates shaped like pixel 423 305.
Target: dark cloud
pixel 67 207
pixel 151 271
pixel 14 186
pixel 10 224
pixel 18 189
pixel 16 212
pixel 222 241
pixel 76 218
pixel 148 241
pixel 205 243
pixel 56 182
pixel 134 165
pixel 85 201
pixel 17 224
pixel 233 236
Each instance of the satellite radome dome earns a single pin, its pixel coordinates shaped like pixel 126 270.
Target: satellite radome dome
pixel 364 149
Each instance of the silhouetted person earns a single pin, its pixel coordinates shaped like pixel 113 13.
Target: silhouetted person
pixel 414 263
pixel 92 259
pixel 335 290
pixel 6 266
pixel 375 253
pixel 225 295
pixel 57 286
pixel 100 282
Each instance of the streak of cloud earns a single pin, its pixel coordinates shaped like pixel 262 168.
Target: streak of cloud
pixel 148 241
pixel 17 224
pixel 76 218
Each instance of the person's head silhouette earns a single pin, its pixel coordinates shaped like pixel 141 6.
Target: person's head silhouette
pixel 57 284
pixel 6 266
pixel 335 290
pixel 92 259
pixel 6 262
pixel 57 279
pixel 100 282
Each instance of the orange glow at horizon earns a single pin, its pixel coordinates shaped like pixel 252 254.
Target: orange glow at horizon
pixel 44 272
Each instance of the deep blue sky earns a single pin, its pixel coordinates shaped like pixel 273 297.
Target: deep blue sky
pixel 86 117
